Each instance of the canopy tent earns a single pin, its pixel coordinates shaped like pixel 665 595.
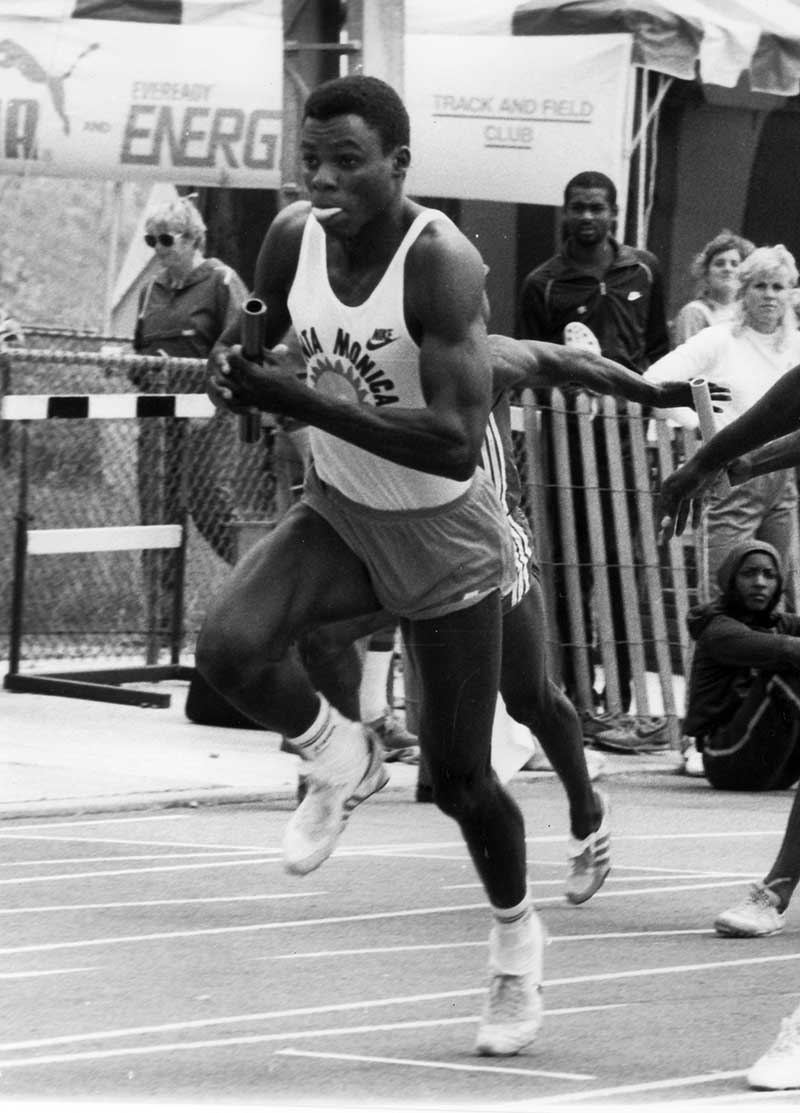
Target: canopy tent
pixel 739 55
pixel 717 133
pixel 715 40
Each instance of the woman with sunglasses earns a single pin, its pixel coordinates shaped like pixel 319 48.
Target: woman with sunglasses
pixel 183 310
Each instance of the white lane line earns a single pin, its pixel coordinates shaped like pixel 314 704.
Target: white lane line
pixel 434 1064
pixel 47 973
pixel 751 1099
pixel 88 861
pixel 439 848
pixel 45 826
pixel 676 836
pixel 482 943
pixel 671 871
pixel 246 1018
pixel 654 934
pixel 92 874
pixel 366 917
pixel 612 880
pixel 632 1088
pixel 606 894
pixel 233 1041
pixel 273 925
pixel 229 848
pixel 686 968
pixel 208 1022
pixel 373 950
pixel 37 908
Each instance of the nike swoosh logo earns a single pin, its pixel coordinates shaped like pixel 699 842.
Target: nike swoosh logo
pixel 373 345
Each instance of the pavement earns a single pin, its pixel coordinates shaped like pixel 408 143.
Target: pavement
pixel 64 756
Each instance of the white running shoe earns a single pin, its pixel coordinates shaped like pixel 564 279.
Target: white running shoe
pixel 779 1067
pixel 757 915
pixel 513 1012
pixel 692 760
pixel 331 795
pixel 513 1015
pixel 589 860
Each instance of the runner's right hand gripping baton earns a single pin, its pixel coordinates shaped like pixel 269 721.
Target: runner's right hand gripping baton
pixel 254 319
pixel 701 396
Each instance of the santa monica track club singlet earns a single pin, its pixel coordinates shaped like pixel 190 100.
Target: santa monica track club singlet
pixel 363 353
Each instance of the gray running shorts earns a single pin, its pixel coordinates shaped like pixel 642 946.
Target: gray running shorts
pixel 429 562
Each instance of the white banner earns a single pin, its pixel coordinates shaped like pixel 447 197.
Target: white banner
pixel 193 104
pixel 503 118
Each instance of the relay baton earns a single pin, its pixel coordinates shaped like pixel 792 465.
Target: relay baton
pixel 254 321
pixel 701 397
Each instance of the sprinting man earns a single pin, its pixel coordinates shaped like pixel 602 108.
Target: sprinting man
pixel 530 695
pixel 763 439
pixel 387 299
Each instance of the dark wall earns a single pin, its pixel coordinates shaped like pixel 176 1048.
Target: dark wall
pixel 772 211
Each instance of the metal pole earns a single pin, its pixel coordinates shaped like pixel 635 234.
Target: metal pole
pixel 20 555
pixel 380 25
pixel 641 231
pixel 112 261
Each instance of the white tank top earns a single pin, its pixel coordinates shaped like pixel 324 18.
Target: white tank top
pixel 363 353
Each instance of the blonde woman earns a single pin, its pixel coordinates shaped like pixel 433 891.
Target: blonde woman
pixel 748 353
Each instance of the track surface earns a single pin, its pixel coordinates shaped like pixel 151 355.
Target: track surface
pixel 166 957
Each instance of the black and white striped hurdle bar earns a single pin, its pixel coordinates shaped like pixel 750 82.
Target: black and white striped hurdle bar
pixel 38 407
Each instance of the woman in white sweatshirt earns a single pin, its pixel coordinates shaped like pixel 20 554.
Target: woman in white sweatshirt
pixel 748 354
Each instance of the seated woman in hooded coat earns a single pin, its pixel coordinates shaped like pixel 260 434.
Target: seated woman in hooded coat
pixel 744 689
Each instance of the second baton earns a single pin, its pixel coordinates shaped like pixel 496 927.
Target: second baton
pixel 254 313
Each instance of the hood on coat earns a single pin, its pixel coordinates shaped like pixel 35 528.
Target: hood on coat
pixel 728 601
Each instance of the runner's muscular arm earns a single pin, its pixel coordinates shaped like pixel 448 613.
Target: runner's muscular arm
pixel 444 304
pixel 774 415
pixel 538 364
pixel 784 452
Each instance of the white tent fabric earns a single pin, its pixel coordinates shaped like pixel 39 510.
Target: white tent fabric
pixel 248 13
pixel 715 40
pixel 455 17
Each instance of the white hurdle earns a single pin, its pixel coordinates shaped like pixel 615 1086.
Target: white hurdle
pixel 95 684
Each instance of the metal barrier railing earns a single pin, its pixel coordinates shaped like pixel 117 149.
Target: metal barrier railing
pixel 590 474
pixel 88 473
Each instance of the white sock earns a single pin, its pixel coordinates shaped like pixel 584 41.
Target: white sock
pixel 373 693
pixel 314 740
pixel 334 753
pixel 516 940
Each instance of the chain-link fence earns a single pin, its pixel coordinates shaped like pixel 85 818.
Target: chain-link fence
pixel 616 597
pixel 87 473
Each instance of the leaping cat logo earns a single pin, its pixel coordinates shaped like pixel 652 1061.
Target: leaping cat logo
pixel 16 57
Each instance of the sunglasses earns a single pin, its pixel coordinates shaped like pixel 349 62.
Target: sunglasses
pixel 166 239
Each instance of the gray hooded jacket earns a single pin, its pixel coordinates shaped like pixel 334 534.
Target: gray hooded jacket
pixel 734 645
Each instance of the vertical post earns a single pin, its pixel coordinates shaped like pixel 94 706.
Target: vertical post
pixel 380 26
pixel 20 556
pixel 641 230
pixel 112 261
pixel 181 517
pixel 5 426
